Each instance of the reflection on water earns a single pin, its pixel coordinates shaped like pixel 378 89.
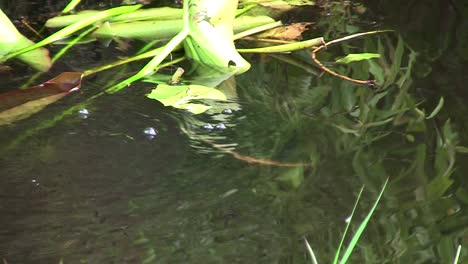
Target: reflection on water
pixel 98 190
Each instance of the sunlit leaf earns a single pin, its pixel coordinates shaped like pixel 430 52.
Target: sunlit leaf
pixel 357 57
pixel 195 108
pixel 22 103
pixel 210 39
pixel 70 6
pixel 144 30
pixel 180 96
pixel 160 13
pixel 67 31
pixel 285 4
pixel 11 40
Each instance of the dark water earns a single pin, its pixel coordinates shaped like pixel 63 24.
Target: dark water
pixel 96 190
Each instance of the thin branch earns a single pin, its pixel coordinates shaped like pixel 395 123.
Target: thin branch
pixel 326 44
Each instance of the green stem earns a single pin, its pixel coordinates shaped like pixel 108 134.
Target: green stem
pixel 152 66
pixel 257 29
pixel 70 6
pixel 67 31
pixel 286 47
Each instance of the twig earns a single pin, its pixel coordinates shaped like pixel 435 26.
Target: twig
pixel 25 23
pixel 326 44
pixel 253 160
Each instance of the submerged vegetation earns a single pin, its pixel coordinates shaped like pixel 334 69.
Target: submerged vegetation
pixel 342 104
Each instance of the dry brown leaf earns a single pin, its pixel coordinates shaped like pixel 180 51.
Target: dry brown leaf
pixel 289 32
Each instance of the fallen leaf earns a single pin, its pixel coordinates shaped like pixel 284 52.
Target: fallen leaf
pixel 22 103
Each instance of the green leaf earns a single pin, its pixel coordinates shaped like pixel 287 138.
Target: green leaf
pixel 195 108
pixel 377 71
pixel 210 41
pixel 357 57
pixel 396 63
pixel 291 179
pixel 461 149
pixel 144 30
pixel 362 226
pixel 70 6
pixel 437 109
pixel 67 31
pixel 311 252
pixel 340 246
pixel 438 186
pixel 160 13
pixel 11 40
pixel 180 96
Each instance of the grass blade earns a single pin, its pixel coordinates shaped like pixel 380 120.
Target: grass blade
pixel 337 254
pixel 310 251
pixel 71 5
pixel 361 228
pixel 457 256
pixel 437 109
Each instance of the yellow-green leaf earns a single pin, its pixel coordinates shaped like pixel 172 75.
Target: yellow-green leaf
pixel 357 57
pixel 179 96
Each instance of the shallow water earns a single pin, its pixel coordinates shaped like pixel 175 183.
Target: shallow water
pixel 97 190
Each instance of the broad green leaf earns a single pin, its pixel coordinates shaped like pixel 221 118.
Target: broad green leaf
pixel 168 95
pixel 180 96
pixel 210 39
pixel 12 40
pixel 357 57
pixel 195 108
